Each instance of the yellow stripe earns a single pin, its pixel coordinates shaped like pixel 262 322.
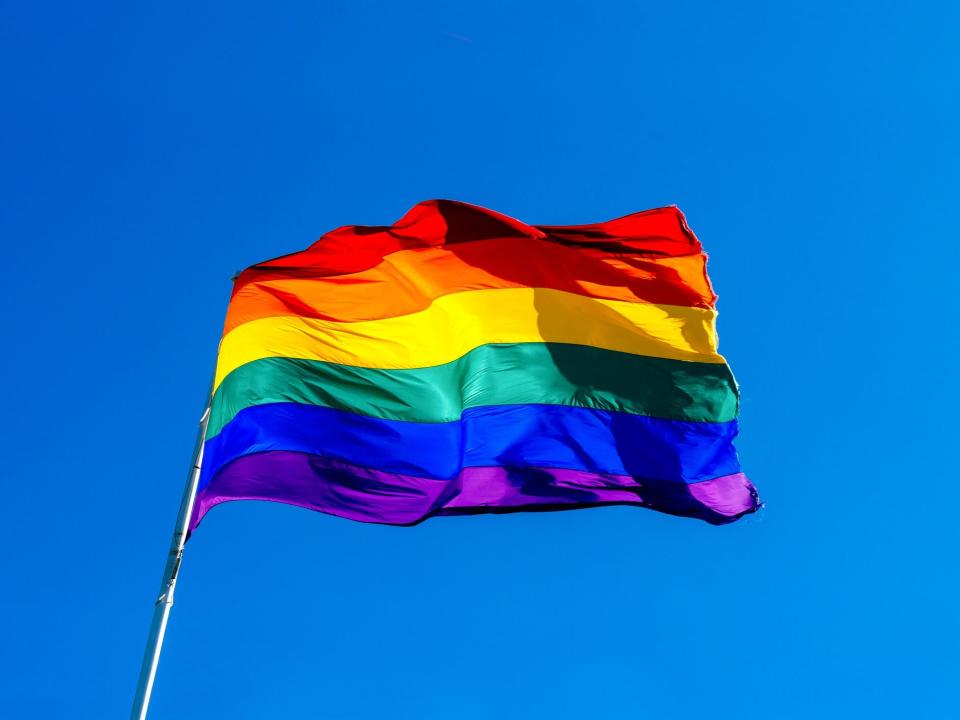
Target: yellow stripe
pixel 455 324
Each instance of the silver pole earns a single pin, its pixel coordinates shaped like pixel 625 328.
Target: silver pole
pixel 161 610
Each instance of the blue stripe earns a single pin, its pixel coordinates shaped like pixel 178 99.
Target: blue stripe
pixel 585 439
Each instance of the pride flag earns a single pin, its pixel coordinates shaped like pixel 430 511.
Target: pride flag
pixel 461 361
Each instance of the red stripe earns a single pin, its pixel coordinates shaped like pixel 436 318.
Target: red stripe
pixel 652 234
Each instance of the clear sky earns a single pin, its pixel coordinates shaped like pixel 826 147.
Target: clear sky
pixel 148 153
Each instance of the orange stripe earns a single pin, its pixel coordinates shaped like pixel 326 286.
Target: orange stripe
pixel 408 281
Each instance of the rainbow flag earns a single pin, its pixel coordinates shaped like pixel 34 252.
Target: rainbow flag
pixel 461 361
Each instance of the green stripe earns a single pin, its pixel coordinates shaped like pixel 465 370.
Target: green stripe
pixel 514 374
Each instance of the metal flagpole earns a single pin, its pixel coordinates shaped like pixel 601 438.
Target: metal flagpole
pixel 161 611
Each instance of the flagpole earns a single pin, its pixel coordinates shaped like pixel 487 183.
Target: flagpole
pixel 161 610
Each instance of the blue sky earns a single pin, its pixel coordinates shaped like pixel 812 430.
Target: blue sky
pixel 148 153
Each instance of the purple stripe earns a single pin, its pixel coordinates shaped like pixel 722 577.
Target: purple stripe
pixel 358 493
